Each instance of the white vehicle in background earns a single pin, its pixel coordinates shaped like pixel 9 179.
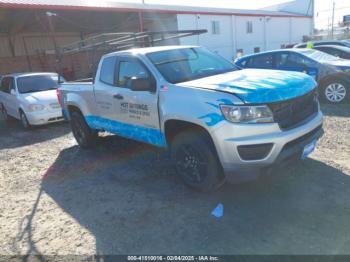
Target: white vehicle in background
pixel 31 98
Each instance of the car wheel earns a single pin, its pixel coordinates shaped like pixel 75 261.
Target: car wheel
pixel 335 92
pixel 85 136
pixel 24 121
pixel 196 161
pixel 4 114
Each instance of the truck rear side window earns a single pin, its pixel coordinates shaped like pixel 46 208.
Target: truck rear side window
pixel 107 70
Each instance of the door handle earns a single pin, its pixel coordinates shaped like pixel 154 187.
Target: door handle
pixel 118 96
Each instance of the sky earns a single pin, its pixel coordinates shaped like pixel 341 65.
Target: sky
pixel 323 12
pixel 323 8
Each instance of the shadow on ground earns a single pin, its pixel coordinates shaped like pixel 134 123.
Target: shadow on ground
pixel 12 135
pixel 130 200
pixel 342 110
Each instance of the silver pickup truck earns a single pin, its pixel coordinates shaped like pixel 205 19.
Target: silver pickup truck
pixel 219 122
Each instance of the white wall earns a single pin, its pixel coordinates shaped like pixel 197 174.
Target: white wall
pixel 301 27
pixel 268 32
pixel 220 43
pixel 248 41
pixel 278 32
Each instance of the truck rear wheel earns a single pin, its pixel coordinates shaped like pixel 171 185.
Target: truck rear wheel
pixel 85 136
pixel 196 161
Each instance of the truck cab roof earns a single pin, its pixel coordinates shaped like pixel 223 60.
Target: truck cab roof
pixel 146 50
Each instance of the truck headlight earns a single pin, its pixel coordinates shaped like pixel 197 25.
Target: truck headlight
pixel 35 107
pixel 247 114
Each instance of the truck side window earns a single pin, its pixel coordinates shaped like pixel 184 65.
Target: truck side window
pixel 107 70
pixel 129 70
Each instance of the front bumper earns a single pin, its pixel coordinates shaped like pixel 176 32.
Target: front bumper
pixel 42 118
pixel 284 145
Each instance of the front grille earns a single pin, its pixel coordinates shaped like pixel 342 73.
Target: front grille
pixel 55 118
pixel 292 113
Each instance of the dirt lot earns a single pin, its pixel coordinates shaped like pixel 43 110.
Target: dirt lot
pixel 121 198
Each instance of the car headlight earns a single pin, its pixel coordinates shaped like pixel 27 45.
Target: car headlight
pixel 35 107
pixel 247 114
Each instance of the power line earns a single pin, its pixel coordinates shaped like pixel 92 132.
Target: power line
pixel 330 9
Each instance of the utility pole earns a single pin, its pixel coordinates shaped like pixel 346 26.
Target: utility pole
pixel 49 16
pixel 332 34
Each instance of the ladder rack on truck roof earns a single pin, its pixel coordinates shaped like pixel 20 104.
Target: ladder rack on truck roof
pixel 110 42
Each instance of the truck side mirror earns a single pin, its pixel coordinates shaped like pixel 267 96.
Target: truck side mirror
pixel 141 84
pixel 13 92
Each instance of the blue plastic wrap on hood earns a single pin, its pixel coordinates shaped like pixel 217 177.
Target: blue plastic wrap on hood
pixel 259 86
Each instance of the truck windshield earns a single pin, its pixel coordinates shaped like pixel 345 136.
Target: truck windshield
pixel 36 83
pixel 180 65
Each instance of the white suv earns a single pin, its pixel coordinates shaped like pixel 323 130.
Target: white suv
pixel 31 98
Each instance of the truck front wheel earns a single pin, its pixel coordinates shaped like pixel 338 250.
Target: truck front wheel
pixel 85 136
pixel 196 161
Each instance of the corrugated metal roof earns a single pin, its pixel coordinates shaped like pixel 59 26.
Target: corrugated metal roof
pixel 126 7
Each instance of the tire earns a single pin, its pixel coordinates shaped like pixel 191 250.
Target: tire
pixel 84 135
pixel 196 161
pixel 335 91
pixel 24 121
pixel 4 114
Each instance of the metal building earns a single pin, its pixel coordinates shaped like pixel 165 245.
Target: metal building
pixel 31 30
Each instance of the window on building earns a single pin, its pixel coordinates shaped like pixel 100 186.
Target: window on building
pixel 215 27
pixel 249 27
pixel 256 49
pixel 107 70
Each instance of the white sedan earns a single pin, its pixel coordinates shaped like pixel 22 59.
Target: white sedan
pixel 31 98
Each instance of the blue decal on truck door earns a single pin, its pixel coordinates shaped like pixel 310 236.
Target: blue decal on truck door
pixel 139 133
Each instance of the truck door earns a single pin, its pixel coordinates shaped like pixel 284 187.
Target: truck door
pixel 122 111
pixel 139 109
pixel 104 88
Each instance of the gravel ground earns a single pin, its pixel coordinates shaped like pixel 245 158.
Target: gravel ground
pixel 56 199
